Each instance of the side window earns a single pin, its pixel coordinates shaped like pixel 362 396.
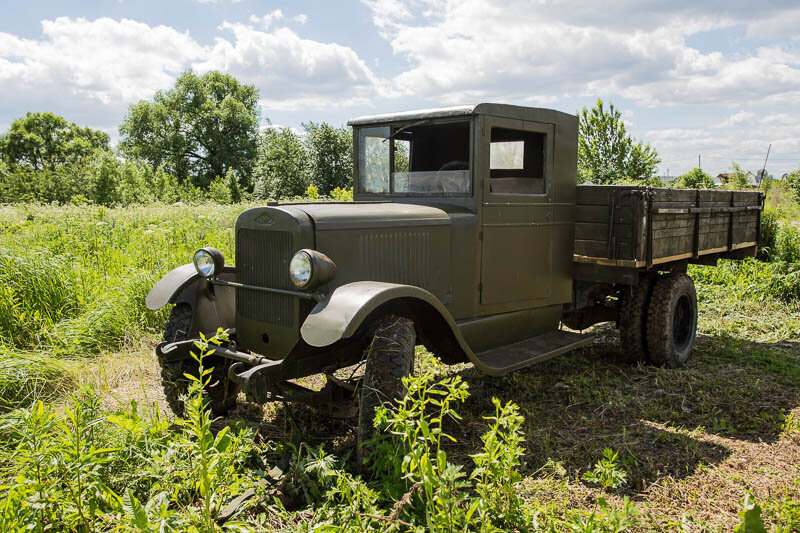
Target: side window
pixel 517 162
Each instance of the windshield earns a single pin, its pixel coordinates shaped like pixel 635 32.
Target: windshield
pixel 420 158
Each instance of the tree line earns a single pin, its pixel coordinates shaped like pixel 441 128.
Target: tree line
pixel 199 139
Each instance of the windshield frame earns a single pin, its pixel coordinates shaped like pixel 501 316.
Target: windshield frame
pixel 394 128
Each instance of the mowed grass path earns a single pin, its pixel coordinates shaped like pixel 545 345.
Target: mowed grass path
pixel 692 441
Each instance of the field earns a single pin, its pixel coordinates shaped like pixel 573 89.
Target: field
pixel 588 444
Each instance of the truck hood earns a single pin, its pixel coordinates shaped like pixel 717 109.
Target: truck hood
pixel 367 215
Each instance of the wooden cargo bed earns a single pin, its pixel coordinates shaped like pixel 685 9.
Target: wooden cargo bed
pixel 646 228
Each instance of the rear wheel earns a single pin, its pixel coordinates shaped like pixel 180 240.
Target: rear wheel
pixel 672 320
pixel 633 320
pixel 221 391
pixel 389 358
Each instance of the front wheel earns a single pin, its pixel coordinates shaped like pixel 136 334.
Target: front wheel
pixel 221 391
pixel 389 358
pixel 672 320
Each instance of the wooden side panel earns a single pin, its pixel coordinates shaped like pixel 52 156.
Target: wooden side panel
pixel 606 221
pixel 611 222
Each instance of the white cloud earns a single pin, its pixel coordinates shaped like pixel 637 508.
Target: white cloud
pixel 266 21
pixel 290 71
pixel 779 25
pixel 743 138
pixel 459 49
pixel 742 118
pixel 388 13
pixel 105 60
pixel 300 19
pixel 79 63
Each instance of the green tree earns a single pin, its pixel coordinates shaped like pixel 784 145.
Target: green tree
pixel 737 178
pixel 695 179
pixel 792 181
pixel 606 153
pixel 44 141
pixel 330 156
pixel 282 168
pixel 198 129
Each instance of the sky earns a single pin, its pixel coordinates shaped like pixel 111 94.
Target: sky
pixel 714 79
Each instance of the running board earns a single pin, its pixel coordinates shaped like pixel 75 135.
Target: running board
pixel 500 361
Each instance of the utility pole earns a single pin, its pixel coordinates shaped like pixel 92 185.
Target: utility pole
pixel 764 168
pixel 698 162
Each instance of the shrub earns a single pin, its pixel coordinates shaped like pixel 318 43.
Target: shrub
pixel 787 245
pixel 751 279
pixel 737 178
pixel 769 234
pixel 219 191
pixel 312 193
pixel 792 181
pixel 694 179
pixel 342 195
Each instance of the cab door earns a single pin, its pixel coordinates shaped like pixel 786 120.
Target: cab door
pixel 517 227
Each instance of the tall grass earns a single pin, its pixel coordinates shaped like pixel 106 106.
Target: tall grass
pixel 73 281
pixel 28 377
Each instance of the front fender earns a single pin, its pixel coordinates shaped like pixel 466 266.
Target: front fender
pixel 340 314
pixel 170 286
pixel 168 289
pixel 212 306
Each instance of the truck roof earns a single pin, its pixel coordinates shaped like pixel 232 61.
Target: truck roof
pixel 498 110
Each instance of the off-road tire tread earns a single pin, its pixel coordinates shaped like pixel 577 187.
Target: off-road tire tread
pixel 221 392
pixel 389 357
pixel 659 335
pixel 633 314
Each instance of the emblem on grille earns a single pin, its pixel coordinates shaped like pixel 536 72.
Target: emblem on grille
pixel 264 219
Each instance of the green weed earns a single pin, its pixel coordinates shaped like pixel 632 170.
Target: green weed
pixel 607 472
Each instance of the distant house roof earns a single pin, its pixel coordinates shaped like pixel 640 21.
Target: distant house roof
pixel 723 178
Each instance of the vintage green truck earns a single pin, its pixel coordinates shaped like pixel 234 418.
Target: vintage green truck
pixel 468 235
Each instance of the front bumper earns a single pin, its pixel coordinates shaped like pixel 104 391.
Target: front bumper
pixel 265 380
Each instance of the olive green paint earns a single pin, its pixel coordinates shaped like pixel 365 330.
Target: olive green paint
pixel 485 274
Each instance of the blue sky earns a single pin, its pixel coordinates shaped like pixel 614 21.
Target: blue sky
pixel 721 79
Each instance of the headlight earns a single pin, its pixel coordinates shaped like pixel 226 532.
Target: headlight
pixel 309 268
pixel 208 261
pixel 300 269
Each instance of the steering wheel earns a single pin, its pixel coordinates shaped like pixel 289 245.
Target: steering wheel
pixel 450 165
pixel 454 165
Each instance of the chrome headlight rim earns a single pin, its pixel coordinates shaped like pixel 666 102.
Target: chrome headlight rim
pixel 301 260
pixel 208 261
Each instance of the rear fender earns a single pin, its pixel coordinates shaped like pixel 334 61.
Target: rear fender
pixel 213 306
pixel 340 314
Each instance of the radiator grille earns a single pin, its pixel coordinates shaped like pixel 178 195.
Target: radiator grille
pixel 262 259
